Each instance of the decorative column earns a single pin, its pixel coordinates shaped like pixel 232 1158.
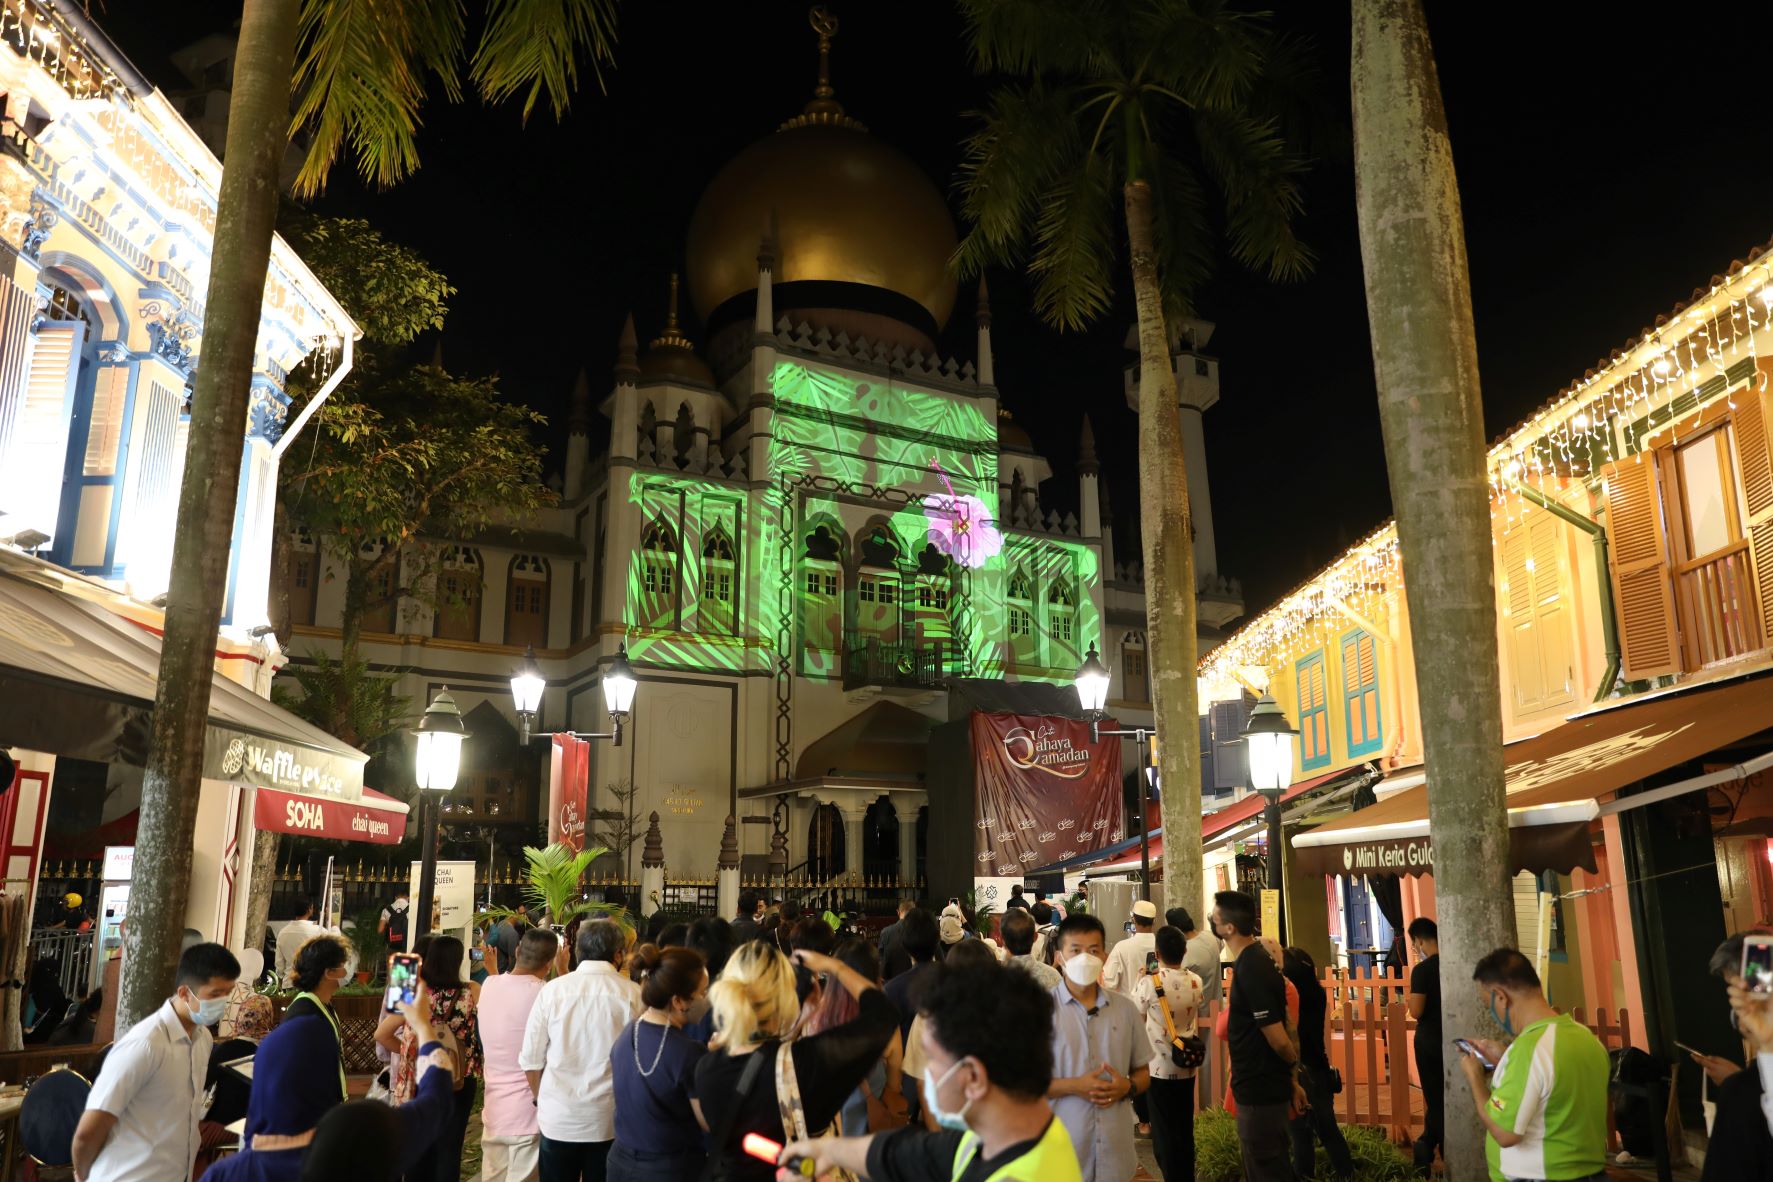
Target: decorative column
pixel 726 878
pixel 908 849
pixel 985 371
pixel 854 818
pixel 652 869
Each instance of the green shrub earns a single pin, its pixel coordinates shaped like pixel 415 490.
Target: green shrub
pixel 1217 1157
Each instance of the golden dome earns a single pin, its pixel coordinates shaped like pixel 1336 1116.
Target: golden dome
pixel 842 207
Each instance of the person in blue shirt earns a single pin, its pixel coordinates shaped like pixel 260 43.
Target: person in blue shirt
pixel 654 1065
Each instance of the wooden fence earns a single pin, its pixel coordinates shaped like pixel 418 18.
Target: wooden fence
pixel 1370 1037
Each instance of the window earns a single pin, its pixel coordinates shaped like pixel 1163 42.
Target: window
pixel 1536 617
pixel 1024 647
pixel 658 576
pixel 304 576
pixel 380 603
pixel 1360 692
pixel 821 619
pixel 1062 621
pixel 717 581
pixel 818 583
pixel 1134 686
pixel 932 597
pixel 1021 622
pixel 458 595
pixel 1314 713
pixel 526 604
pixel 1714 579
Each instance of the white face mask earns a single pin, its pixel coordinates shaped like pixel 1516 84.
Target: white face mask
pixel 956 1120
pixel 1084 969
pixel 206 1011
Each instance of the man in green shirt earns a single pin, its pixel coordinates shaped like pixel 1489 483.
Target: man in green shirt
pixel 1545 1106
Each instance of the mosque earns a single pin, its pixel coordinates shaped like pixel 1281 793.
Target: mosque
pixel 803 527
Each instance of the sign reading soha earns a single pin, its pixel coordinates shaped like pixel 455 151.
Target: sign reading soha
pixel 1042 792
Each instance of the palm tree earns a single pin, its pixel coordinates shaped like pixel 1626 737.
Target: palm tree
pixel 1431 412
pixel 359 82
pixel 1111 123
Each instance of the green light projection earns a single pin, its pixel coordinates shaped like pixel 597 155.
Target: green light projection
pixel 867 461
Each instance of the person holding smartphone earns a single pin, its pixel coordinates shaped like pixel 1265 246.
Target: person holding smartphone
pixel 1544 1108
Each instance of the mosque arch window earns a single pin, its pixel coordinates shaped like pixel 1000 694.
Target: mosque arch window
pixel 933 592
pixel 878 590
pixel 526 601
pixel 1135 680
pixel 822 586
pixel 718 573
pixel 381 600
pixel 459 585
pixel 304 575
pixel 659 564
pixel 1062 623
pixel 1024 649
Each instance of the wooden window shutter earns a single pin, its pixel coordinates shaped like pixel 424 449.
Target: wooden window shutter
pixel 1639 560
pixel 1755 457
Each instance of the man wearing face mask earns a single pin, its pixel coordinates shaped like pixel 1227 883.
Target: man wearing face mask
pixel 142 1114
pixel 986 1032
pixel 1101 1057
pixel 1545 1106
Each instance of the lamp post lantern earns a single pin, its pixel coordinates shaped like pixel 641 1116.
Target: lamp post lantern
pixel 619 684
pixel 1091 681
pixel 1269 738
pixel 437 760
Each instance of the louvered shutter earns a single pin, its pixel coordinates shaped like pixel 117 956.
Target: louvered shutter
pixel 1756 459
pixel 1519 620
pixel 1209 782
pixel 1230 762
pixel 37 456
pixel 1642 588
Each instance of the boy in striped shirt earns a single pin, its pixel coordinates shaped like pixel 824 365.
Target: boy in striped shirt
pixel 1545 1106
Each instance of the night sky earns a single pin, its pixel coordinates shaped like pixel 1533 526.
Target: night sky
pixel 1607 167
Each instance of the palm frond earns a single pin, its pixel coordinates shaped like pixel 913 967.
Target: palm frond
pixel 1026 139
pixel 1207 52
pixel 1259 178
pixel 359 80
pixel 533 46
pixel 1026 36
pixel 555 872
pixel 1074 247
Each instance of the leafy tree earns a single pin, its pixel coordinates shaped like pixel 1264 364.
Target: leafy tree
pixel 359 88
pixel 1431 412
pixel 1112 125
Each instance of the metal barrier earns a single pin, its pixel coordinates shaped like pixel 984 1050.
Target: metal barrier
pixel 72 953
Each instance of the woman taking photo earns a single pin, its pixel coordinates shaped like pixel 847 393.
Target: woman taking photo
pixel 758 1077
pixel 657 1138
pixel 453 998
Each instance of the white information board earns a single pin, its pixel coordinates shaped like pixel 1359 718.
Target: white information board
pixel 455 899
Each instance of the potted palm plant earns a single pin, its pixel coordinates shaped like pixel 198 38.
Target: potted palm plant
pixel 552 883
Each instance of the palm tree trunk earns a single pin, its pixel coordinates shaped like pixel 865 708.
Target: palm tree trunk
pixel 1167 534
pixel 258 124
pixel 1425 360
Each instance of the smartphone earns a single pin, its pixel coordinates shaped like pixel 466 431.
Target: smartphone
pixel 1127 927
pixel 1678 1043
pixel 1150 963
pixel 1471 1049
pixel 403 980
pixel 1757 963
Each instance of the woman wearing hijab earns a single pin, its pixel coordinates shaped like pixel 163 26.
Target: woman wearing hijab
pixel 361 1140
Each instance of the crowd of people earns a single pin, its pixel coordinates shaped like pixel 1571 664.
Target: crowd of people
pixel 735 1048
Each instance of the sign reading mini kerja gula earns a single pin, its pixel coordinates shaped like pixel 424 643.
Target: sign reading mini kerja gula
pixel 1043 792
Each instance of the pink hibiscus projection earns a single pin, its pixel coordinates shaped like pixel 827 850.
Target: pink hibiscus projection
pixel 961 527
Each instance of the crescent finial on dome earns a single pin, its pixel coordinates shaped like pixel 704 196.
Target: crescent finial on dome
pixel 824 109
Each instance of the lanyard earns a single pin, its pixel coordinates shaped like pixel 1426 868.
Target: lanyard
pixel 332 1020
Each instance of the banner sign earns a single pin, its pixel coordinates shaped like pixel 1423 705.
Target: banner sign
pixel 1042 791
pixel 319 816
pixel 267 763
pixel 453 901
pixel 1561 847
pixel 569 782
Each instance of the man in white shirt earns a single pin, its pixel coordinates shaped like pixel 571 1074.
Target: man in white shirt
pixel 567 1044
pixel 140 1123
pixel 1126 963
pixel 298 931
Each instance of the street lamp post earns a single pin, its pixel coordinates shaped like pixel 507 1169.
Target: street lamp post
pixel 1092 693
pixel 1268 741
pixel 436 762
pixel 528 683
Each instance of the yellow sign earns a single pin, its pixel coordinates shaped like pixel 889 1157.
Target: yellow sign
pixel 1270 912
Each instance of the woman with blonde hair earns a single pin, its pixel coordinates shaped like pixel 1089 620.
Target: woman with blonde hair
pixel 758 1077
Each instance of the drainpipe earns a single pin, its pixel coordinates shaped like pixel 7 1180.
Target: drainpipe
pixel 1609 624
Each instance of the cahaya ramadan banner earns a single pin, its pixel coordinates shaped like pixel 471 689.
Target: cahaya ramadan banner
pixel 1042 791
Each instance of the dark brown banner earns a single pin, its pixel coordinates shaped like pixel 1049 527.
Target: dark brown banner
pixel 1561 847
pixel 1042 792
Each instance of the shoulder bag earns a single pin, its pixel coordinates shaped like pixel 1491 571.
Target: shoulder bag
pixel 1186 1051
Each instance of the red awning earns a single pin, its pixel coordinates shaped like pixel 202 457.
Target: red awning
pixel 376 818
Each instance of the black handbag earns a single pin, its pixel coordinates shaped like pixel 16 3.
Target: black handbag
pixel 1187 1051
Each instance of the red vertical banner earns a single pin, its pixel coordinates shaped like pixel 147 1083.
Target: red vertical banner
pixel 1042 791
pixel 569 783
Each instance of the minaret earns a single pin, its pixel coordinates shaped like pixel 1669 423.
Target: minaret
pixel 1089 472
pixel 625 403
pixel 764 323
pixel 987 373
pixel 1107 536
pixel 578 436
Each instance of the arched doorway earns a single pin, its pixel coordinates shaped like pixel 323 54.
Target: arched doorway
pixel 824 844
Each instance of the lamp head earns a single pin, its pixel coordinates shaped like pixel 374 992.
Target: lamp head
pixel 438 757
pixel 1268 739
pixel 527 685
pixel 1092 683
pixel 618 685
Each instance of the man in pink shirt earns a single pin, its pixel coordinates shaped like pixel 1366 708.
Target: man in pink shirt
pixel 511 1140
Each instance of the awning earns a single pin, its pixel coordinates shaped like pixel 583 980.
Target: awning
pixel 1554 783
pixel 1211 825
pixel 374 817
pixel 77 680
